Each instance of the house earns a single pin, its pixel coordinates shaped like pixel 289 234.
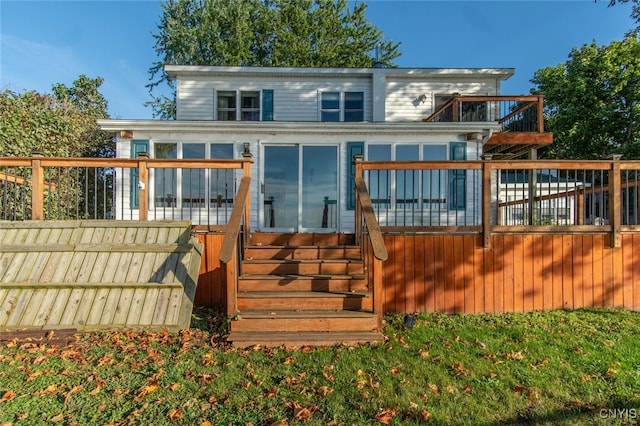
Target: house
pixel 327 197
pixel 303 126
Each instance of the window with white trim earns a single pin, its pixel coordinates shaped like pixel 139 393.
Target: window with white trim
pixel 244 105
pixel 341 106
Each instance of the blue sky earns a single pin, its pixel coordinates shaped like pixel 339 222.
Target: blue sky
pixel 46 42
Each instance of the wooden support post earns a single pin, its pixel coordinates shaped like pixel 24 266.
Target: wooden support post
pixel 456 112
pixel 37 187
pixel 246 172
pixel 357 159
pixel 486 201
pixel 143 186
pixel 533 185
pixel 540 114
pixel 231 275
pixel 378 304
pixel 615 215
pixel 579 207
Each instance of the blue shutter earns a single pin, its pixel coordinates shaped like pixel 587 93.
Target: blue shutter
pixel 267 105
pixel 353 148
pixel 457 178
pixel 137 146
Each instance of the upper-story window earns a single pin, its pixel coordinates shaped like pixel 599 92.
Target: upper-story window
pixel 254 104
pixel 342 106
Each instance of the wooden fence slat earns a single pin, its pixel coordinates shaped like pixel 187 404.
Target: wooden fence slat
pixel 567 272
pixel 438 272
pixel 628 272
pixel 508 274
pixel 518 273
pixel 468 244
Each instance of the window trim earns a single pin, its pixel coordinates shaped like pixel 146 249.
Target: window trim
pixel 264 113
pixel 342 109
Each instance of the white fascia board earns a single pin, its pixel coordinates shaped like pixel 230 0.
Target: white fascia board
pixel 275 128
pixel 412 73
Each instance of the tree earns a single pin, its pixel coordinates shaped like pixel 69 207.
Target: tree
pixel 635 10
pixel 60 124
pixel 279 33
pixel 592 101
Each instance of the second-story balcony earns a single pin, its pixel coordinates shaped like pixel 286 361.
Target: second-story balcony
pixel 520 118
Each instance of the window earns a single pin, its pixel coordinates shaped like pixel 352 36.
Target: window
pixel 249 101
pixel 226 106
pixel 193 189
pixel 406 189
pixel 165 180
pixel 250 106
pixel 354 106
pixel 330 108
pixel 434 182
pixel 342 106
pixel 221 180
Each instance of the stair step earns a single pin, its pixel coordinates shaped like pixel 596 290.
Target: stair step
pixel 301 300
pixel 302 283
pixel 297 339
pixel 302 252
pixel 306 239
pixel 296 321
pixel 303 267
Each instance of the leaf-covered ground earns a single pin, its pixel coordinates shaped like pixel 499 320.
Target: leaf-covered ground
pixel 551 368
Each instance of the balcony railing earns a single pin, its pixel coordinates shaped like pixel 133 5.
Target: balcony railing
pixel 513 113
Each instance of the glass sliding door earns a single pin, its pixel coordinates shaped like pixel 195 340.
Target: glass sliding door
pixel 300 188
pixel 319 187
pixel 281 187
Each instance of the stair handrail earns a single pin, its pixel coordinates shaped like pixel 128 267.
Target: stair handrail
pixel 240 220
pixel 364 213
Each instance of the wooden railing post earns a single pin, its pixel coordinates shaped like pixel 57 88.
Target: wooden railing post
pixel 486 200
pixel 540 114
pixel 246 173
pixel 615 215
pixel 143 186
pixel 579 207
pixel 456 112
pixel 37 187
pixel 358 159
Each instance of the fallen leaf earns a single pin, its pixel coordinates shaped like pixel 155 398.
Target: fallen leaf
pixel 514 355
pixel 57 418
pixel 301 413
pixel 481 345
pixel 174 413
pixel 8 396
pixel 459 369
pixel 424 415
pixel 386 417
pixel 174 387
pixel 434 389
pixel 75 389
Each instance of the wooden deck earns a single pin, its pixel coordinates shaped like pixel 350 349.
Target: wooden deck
pixel 97 275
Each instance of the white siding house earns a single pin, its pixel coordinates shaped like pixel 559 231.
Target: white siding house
pixel 302 127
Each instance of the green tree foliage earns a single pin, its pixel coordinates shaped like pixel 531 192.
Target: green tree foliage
pixel 635 10
pixel 62 124
pixel 592 101
pixel 278 33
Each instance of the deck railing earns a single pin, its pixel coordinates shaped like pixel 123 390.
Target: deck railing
pixel 513 113
pixel 112 188
pixel 506 196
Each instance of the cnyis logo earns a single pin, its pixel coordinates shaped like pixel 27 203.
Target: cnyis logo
pixel 619 413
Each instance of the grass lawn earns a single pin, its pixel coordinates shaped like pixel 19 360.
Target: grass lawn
pixel 579 367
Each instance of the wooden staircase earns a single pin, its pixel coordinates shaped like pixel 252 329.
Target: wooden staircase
pixel 303 289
